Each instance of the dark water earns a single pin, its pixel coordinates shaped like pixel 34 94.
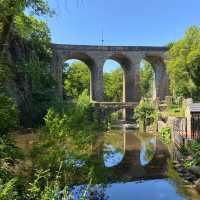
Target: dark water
pixel 138 168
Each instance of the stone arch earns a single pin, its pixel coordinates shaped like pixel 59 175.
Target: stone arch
pixel 78 68
pixel 121 58
pixel 113 66
pixel 96 76
pixel 85 58
pixel 125 63
pixel 161 85
pixel 128 56
pixel 129 64
pixel 59 57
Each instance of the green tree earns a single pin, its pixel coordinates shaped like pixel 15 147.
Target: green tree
pixel 30 69
pixel 76 79
pixel 144 113
pixel 113 85
pixel 183 64
pixel 25 70
pixel 146 80
pixel 12 8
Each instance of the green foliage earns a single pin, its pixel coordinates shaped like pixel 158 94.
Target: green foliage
pixel 183 64
pixel 43 188
pixel 74 120
pixel 170 45
pixel 76 79
pixel 114 116
pixel 8 150
pixel 9 10
pixel 29 28
pixel 27 66
pixel 144 113
pixel 146 80
pixel 35 83
pixel 8 115
pixel 113 85
pixel 9 184
pixel 38 7
pixel 35 189
pixel 175 110
pixel 7 190
pixel 193 148
pixel 165 135
pixel 54 123
pixel 83 101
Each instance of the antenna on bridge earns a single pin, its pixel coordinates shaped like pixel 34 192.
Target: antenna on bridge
pixel 102 36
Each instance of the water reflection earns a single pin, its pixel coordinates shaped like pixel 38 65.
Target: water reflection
pixel 125 165
pixel 112 156
pixel 135 166
pixel 132 157
pixel 148 149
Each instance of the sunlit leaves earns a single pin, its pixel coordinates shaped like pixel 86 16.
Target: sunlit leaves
pixel 146 80
pixel 76 79
pixel 183 64
pixel 113 85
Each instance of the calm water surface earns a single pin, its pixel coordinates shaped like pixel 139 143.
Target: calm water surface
pixel 130 166
pixel 139 169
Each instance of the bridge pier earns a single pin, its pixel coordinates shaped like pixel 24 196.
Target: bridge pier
pixel 131 91
pixel 161 89
pixel 96 82
pixel 161 80
pixel 57 73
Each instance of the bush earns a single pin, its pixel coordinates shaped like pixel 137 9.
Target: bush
pixel 78 120
pixel 144 114
pixel 8 115
pixel 165 134
pixel 7 190
pixel 194 150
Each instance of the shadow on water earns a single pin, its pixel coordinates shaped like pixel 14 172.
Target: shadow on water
pixel 136 166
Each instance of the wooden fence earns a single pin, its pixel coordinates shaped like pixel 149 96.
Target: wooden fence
pixel 195 126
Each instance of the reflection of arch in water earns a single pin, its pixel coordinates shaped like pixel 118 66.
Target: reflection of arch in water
pixel 113 152
pixel 146 146
pixel 112 156
pixel 130 167
pixel 148 149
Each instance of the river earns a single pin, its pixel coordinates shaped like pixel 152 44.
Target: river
pixel 133 166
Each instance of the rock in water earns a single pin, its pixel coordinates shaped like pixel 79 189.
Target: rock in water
pixel 197 184
pixel 195 170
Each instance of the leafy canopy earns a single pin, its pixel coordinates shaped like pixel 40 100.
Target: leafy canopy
pixel 183 64
pixel 76 79
pixel 146 79
pixel 113 85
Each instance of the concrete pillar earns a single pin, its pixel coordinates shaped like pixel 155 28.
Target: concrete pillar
pixel 131 92
pixel 131 84
pixel 96 82
pixel 57 72
pixel 161 82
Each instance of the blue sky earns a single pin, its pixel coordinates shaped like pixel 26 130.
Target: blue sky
pixel 125 22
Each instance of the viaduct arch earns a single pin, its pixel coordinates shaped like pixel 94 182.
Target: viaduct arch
pixel 128 56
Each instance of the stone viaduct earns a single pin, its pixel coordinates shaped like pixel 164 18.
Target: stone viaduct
pixel 129 58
